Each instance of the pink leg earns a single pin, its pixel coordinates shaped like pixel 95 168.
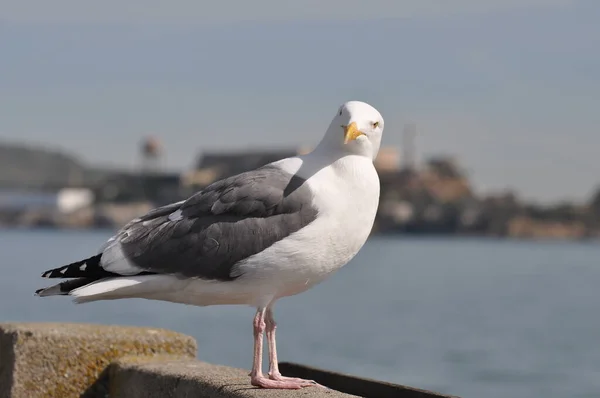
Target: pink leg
pixel 274 374
pixel 256 376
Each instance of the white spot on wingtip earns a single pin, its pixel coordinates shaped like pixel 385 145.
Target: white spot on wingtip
pixel 176 216
pixel 62 271
pixel 83 267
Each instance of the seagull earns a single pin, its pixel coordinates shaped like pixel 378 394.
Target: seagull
pixel 249 239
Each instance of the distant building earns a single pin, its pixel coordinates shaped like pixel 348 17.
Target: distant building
pixel 66 200
pixel 123 187
pixel 445 166
pixel 388 159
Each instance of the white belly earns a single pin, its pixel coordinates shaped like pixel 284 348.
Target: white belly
pixel 346 214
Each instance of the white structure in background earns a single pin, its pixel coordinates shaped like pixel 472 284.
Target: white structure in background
pixel 69 200
pixel 66 200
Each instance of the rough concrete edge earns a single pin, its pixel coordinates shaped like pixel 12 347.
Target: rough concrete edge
pixel 7 359
pixel 11 333
pixel 132 360
pixel 20 330
pixel 103 382
pixel 127 362
pixel 208 382
pixel 66 327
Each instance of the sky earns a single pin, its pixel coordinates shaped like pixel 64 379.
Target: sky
pixel 510 88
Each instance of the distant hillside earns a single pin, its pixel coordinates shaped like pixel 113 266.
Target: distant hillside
pixel 28 167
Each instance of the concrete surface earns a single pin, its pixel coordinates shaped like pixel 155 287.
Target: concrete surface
pixel 69 360
pixel 360 386
pixel 95 361
pixel 131 378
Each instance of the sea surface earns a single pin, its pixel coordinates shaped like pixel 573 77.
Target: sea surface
pixel 471 317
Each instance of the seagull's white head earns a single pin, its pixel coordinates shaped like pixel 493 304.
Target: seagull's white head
pixel 356 128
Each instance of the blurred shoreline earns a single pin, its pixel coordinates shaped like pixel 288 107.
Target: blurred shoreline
pixel 42 188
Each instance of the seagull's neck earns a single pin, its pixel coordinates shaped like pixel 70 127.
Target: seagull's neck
pixel 306 166
pixel 324 155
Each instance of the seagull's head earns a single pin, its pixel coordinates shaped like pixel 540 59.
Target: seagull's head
pixel 356 128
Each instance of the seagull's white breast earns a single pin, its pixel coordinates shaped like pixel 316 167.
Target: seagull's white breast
pixel 346 194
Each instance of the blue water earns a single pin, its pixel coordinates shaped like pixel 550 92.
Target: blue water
pixel 470 317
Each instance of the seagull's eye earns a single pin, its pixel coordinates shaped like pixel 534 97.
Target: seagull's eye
pixel 340 112
pixel 375 125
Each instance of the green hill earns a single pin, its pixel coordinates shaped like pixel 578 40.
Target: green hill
pixel 39 168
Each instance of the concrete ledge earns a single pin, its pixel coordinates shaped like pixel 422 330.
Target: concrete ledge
pixel 68 360
pixel 95 361
pixel 190 378
pixel 356 385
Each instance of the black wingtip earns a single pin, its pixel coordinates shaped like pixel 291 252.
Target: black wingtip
pixel 54 273
pixel 89 267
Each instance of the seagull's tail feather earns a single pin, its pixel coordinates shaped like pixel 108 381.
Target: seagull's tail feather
pixel 85 272
pixel 62 289
pixel 92 282
pixel 110 288
pixel 84 290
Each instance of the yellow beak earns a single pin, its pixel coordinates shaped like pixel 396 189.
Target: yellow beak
pixel 351 132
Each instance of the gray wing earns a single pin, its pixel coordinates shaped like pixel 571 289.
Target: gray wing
pixel 220 226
